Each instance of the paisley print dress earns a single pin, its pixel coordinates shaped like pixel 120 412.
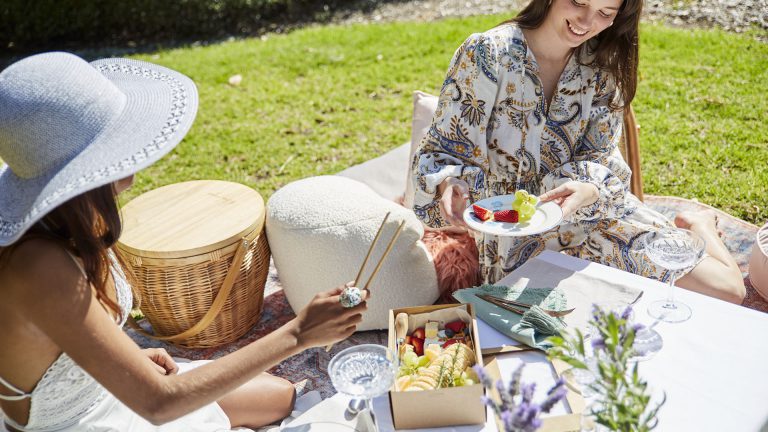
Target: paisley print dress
pixel 492 123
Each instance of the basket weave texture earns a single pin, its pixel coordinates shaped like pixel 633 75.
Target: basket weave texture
pixel 177 293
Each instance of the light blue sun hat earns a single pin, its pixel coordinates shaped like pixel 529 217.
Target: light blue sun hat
pixel 68 126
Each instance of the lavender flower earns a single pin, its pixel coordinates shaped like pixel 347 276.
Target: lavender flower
pixel 507 398
pixel 598 343
pixel 514 383
pixel 525 418
pixel 627 313
pixel 554 395
pixel 596 312
pixel 517 411
pixel 485 380
pixel 636 327
pixel 527 391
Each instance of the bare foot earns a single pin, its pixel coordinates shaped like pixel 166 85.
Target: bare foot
pixel 703 220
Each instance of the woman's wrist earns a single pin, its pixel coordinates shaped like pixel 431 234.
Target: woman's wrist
pixel 291 333
pixel 442 186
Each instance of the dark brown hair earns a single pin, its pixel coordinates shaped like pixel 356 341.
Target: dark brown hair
pixel 87 225
pixel 615 49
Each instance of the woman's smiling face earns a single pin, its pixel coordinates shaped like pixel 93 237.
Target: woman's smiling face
pixel 576 21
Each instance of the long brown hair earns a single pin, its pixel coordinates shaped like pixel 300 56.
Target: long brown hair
pixel 615 49
pixel 87 225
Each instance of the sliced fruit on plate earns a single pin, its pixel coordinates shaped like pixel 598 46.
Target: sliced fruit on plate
pixel 482 213
pixel 507 216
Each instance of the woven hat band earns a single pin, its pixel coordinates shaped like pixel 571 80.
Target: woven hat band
pixel 48 114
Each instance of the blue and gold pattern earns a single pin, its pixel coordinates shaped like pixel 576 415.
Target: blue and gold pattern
pixel 492 99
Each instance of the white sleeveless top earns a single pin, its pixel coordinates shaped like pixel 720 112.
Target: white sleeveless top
pixel 67 398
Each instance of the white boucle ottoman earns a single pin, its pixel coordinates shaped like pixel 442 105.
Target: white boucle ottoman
pixel 319 230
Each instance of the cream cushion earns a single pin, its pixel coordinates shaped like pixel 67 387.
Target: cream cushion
pixel 319 230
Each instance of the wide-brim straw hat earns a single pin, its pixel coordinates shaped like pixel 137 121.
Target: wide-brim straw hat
pixel 68 126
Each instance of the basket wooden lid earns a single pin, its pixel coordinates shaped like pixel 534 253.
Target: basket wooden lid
pixel 190 218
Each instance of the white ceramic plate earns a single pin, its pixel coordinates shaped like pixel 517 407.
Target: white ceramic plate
pixel 548 215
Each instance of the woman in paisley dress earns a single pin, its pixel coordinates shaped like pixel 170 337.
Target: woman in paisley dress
pixel 536 103
pixel 72 134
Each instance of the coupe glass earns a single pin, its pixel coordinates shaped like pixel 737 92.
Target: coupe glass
pixel 363 372
pixel 674 249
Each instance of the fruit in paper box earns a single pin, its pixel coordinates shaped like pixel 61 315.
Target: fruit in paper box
pixel 448 369
pixel 418 345
pixel 456 326
pixel 403 382
pixel 419 333
pixel 450 342
pixel 433 351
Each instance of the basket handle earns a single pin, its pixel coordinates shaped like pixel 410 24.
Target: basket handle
pixel 218 302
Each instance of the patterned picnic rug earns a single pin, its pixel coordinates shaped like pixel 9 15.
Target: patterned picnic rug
pixel 308 370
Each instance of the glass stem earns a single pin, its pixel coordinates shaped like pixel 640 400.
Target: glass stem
pixel 671 290
pixel 372 426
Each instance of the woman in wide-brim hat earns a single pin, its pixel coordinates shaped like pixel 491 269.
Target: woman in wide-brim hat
pixel 72 134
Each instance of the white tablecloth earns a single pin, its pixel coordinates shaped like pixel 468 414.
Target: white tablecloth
pixel 713 367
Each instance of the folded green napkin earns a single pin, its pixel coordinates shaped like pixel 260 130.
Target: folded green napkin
pixel 534 326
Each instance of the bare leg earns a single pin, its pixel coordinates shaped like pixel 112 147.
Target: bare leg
pixel 259 402
pixel 717 275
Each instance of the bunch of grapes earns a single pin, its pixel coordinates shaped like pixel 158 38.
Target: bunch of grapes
pixel 525 205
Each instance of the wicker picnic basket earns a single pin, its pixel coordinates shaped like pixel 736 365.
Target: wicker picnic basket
pixel 199 259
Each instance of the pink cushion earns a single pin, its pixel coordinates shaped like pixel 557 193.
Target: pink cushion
pixel 456 261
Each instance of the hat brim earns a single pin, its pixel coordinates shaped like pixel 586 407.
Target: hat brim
pixel 161 105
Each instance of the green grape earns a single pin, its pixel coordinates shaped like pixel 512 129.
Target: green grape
pixel 526 211
pixel 423 361
pixel 410 359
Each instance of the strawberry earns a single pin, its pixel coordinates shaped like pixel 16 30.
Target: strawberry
pixel 456 326
pixel 419 334
pixel 418 345
pixel 507 216
pixel 482 213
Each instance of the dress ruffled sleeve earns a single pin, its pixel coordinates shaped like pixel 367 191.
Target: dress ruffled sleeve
pixel 597 159
pixel 455 145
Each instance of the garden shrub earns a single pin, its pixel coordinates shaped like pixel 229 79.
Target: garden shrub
pixel 44 24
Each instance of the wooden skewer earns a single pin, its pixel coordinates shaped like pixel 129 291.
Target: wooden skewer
pixel 509 305
pixel 381 260
pixel 370 249
pixel 386 252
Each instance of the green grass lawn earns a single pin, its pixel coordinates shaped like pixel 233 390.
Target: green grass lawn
pixel 321 99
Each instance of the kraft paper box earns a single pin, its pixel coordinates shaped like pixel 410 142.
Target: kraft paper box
pixel 450 406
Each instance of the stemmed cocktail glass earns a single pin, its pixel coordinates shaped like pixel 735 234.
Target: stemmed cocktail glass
pixel 363 372
pixel 674 249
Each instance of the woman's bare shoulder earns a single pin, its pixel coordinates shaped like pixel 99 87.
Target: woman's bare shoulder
pixel 36 267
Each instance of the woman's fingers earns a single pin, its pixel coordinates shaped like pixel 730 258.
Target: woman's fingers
pixel 453 201
pixel 166 361
pixel 568 208
pixel 558 192
pixel 159 369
